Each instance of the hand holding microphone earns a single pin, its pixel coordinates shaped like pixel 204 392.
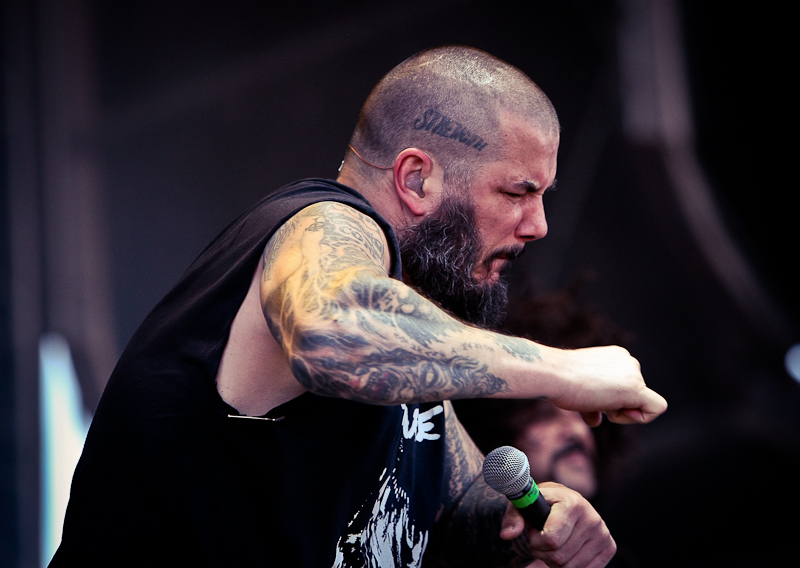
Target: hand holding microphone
pixel 575 532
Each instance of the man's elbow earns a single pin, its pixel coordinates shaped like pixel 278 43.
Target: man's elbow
pixel 321 359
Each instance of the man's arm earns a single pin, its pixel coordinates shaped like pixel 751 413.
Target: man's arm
pixel 468 527
pixel 350 331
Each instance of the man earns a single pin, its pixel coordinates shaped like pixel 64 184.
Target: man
pixel 286 407
pixel 559 445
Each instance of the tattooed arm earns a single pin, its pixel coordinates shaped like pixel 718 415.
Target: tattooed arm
pixel 478 528
pixel 468 528
pixel 350 331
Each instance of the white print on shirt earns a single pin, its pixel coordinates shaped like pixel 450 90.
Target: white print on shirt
pixel 389 539
pixel 420 425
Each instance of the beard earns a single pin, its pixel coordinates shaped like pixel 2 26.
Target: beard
pixel 440 256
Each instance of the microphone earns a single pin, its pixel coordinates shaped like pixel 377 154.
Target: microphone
pixel 507 471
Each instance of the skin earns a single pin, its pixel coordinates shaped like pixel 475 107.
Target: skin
pixel 323 315
pixel 560 447
pixel 507 194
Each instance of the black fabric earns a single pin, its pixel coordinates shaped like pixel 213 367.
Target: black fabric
pixel 168 477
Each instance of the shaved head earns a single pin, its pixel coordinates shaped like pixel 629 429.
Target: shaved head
pixel 449 102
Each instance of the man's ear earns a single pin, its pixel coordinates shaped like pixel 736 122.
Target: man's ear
pixel 411 168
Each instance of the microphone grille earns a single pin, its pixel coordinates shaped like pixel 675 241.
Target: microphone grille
pixel 506 470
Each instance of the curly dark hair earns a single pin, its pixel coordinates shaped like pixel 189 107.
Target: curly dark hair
pixel 558 319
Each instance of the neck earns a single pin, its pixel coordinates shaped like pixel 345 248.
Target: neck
pixel 378 190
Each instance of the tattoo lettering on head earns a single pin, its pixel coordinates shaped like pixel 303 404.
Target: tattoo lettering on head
pixel 375 339
pixel 437 123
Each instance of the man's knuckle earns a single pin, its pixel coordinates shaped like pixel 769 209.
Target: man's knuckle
pixel 611 549
pixel 556 558
pixel 550 542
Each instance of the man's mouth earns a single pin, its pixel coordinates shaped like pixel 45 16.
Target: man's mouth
pixel 573 450
pixel 500 259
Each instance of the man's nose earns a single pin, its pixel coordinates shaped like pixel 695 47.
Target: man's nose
pixel 572 426
pixel 533 224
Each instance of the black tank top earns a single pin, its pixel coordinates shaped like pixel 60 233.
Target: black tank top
pixel 169 478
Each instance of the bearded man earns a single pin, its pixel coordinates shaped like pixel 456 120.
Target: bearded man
pixel 287 403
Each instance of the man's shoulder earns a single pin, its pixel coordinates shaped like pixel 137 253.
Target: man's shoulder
pixel 316 189
pixel 292 198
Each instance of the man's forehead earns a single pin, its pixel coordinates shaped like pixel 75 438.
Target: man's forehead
pixel 533 138
pixel 528 160
pixel 541 127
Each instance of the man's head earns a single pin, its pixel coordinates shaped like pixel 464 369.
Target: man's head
pixel 448 101
pixel 440 256
pixel 559 445
pixel 454 135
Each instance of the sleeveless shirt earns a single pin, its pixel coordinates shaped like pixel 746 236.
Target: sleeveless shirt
pixel 169 476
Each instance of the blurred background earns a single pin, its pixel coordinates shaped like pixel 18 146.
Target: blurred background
pixel 134 131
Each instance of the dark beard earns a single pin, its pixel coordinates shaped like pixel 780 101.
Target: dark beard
pixel 439 257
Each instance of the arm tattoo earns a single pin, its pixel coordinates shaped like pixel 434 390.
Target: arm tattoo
pixel 469 537
pixel 275 245
pixel 517 347
pixel 381 341
pixel 467 533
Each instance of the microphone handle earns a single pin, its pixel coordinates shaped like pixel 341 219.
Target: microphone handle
pixel 532 505
pixel 536 513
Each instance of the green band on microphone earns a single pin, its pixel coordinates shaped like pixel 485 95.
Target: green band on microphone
pixel 528 498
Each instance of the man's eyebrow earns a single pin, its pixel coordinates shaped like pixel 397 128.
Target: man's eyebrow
pixel 533 187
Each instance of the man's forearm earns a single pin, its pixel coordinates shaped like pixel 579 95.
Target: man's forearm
pixel 469 536
pixel 467 532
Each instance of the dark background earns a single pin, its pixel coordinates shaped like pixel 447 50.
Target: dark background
pixel 170 118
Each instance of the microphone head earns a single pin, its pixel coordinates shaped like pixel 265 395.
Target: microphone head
pixel 506 470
